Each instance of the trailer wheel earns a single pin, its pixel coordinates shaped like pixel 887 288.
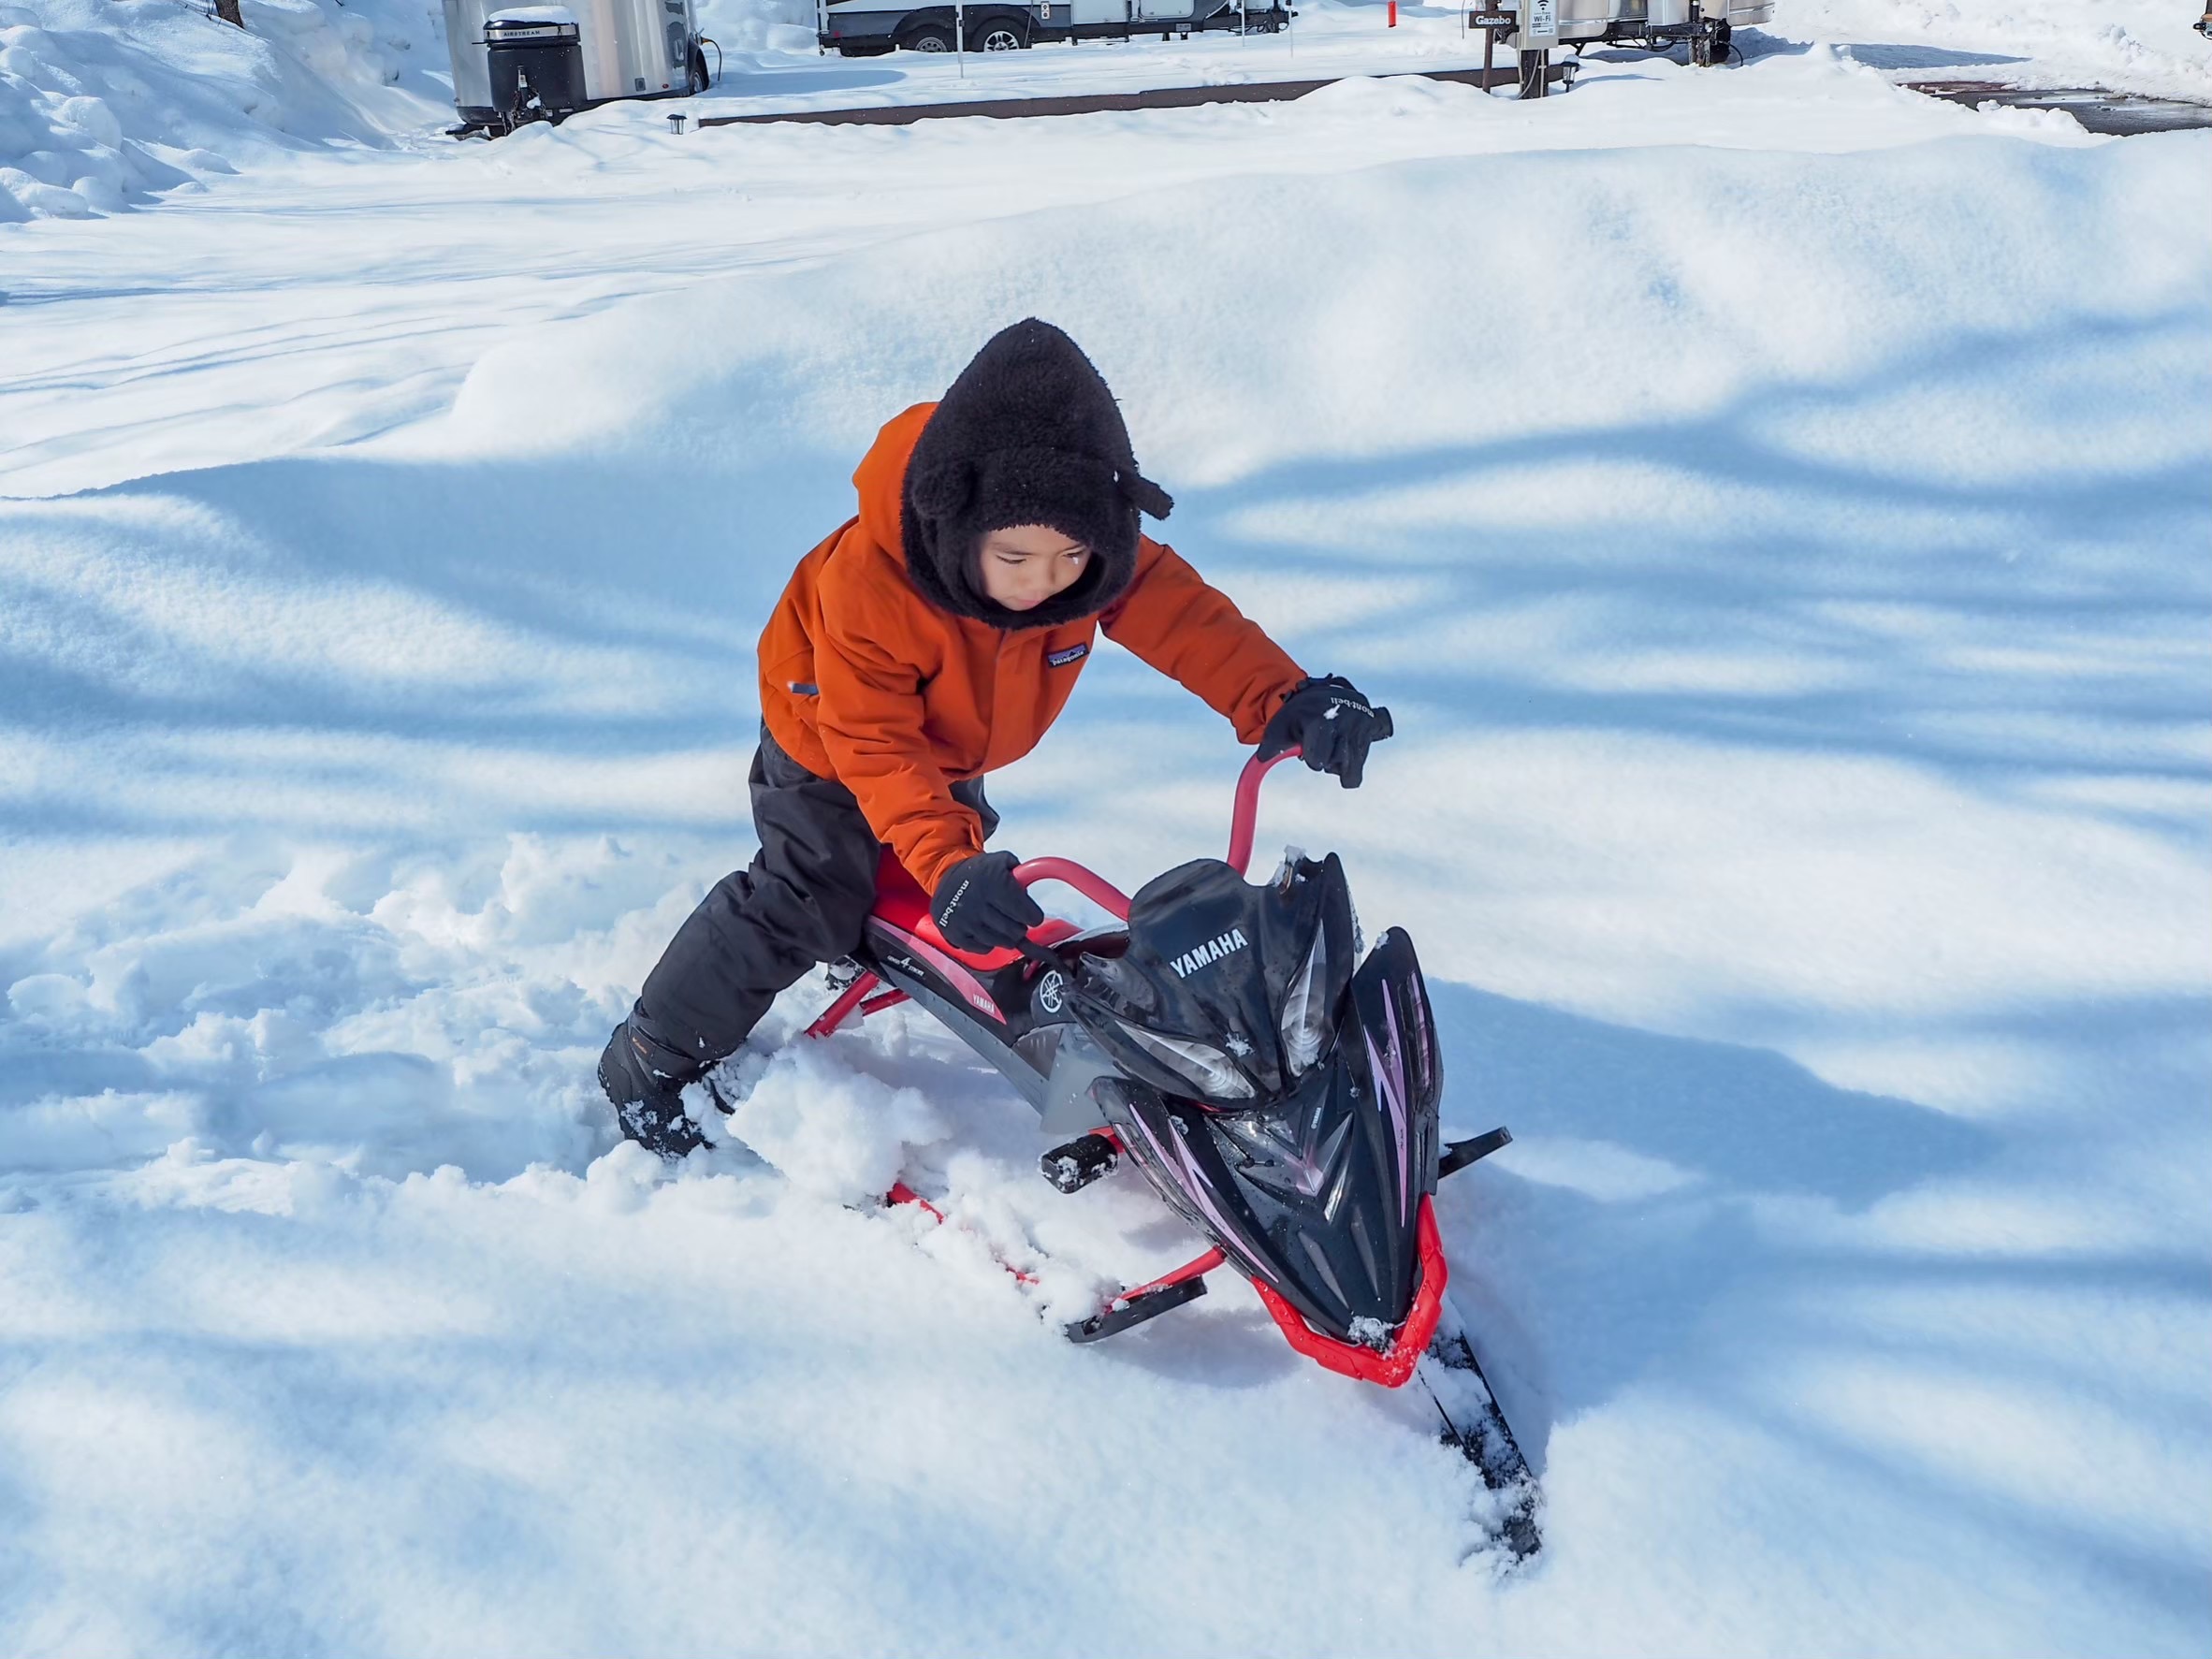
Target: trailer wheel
pixel 927 37
pixel 997 35
pixel 695 76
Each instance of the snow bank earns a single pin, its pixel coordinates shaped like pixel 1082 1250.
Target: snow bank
pixel 1520 276
pixel 754 34
pixel 106 103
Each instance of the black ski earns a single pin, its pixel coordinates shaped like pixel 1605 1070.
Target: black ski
pixel 1474 1424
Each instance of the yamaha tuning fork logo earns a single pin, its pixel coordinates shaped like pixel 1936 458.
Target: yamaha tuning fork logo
pixel 1220 945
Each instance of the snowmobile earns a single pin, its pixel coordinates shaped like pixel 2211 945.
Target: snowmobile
pixel 1279 1092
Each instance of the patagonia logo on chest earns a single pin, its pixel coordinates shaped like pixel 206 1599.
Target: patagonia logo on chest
pixel 1211 951
pixel 1075 653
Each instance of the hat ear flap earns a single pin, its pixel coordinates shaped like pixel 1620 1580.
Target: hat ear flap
pixel 1148 495
pixel 941 491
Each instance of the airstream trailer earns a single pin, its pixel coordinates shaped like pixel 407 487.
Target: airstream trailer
pixel 1535 27
pixel 518 64
pixel 1657 24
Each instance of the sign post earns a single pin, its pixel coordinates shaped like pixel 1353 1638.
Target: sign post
pixel 1537 31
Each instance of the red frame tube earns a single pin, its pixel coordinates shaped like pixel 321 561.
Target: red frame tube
pixel 838 1013
pixel 901 1193
pixel 866 994
pixel 1197 1268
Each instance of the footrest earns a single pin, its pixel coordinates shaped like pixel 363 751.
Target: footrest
pixel 1460 1154
pixel 1135 1310
pixel 1075 1165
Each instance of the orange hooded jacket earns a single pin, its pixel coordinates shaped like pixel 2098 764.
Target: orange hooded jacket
pixel 864 680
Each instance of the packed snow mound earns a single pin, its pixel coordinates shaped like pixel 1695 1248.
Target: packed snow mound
pixel 830 1130
pixel 105 104
pixel 1779 267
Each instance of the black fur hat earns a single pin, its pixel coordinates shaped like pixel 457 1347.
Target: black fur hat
pixel 1029 434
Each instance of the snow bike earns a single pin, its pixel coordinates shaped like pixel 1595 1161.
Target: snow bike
pixel 1279 1094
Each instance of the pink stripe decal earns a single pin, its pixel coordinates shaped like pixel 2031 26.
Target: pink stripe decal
pixel 1391 1086
pixel 1193 1183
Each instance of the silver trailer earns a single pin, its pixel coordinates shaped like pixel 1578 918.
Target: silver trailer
pixel 1660 24
pixel 1535 27
pixel 518 64
pixel 1656 24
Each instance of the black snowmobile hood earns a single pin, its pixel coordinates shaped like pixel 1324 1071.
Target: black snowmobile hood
pixel 1312 1178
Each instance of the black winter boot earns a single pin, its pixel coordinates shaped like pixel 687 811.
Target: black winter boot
pixel 644 1082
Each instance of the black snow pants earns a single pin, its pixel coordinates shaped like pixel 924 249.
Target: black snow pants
pixel 801 901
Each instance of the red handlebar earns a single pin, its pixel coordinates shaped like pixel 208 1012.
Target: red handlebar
pixel 1101 892
pixel 1242 819
pixel 1247 811
pixel 1093 886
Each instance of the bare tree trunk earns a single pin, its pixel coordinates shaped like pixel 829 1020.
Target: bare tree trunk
pixel 227 11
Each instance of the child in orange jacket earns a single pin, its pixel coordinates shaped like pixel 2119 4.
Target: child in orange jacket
pixel 932 639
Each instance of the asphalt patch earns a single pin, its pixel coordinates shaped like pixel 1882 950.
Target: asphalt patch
pixel 2101 111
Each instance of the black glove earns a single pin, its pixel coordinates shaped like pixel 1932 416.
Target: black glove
pixel 978 906
pixel 1332 726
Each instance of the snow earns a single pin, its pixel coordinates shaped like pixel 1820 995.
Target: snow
pixel 830 1130
pixel 2140 46
pixel 1773 505
pixel 106 104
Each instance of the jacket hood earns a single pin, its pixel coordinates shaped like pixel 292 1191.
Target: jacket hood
pixel 1027 434
pixel 880 478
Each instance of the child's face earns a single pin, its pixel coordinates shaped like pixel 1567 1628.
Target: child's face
pixel 1025 565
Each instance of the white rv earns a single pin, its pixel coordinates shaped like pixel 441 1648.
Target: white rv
pixel 863 28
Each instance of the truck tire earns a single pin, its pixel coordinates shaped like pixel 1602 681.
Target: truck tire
pixel 927 37
pixel 999 34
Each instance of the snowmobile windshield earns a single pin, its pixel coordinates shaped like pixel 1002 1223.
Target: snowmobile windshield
pixel 1229 992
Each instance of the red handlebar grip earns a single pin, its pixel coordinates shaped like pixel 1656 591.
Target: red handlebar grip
pixel 1245 814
